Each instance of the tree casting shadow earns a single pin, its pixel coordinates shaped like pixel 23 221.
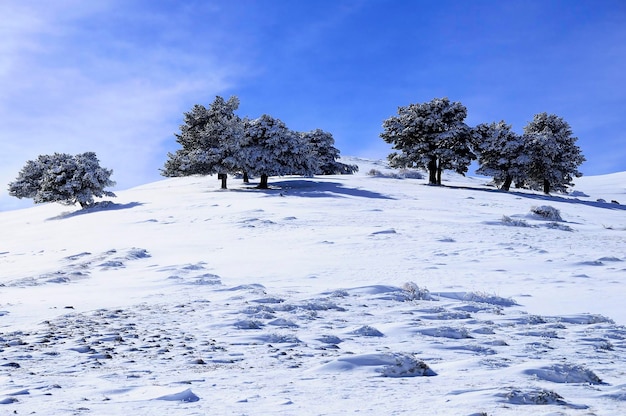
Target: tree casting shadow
pixel 544 197
pixel 97 207
pixel 318 189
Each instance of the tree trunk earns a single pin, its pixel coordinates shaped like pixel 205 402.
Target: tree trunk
pixel 432 171
pixel 439 173
pixel 246 179
pixel 546 186
pixel 223 177
pixel 507 183
pixel 263 184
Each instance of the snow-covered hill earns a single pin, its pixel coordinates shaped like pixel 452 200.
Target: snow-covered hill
pixel 329 295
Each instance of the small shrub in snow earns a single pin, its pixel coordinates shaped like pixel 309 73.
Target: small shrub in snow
pixel 407 366
pixel 414 292
pixel 402 174
pixel 376 173
pixel 557 226
pixel 514 223
pixel 547 212
pixel 410 174
pixel 483 297
pixel 534 397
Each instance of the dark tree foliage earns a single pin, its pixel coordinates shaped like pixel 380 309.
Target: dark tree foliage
pixel 210 140
pixel 216 140
pixel 501 153
pixel 431 136
pixel 553 155
pixel 63 178
pixel 271 149
pixel 323 147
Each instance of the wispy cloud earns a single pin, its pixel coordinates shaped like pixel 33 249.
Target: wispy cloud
pixel 71 81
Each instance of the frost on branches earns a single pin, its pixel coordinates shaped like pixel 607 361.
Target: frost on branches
pixel 271 149
pixel 432 136
pixel 216 140
pixel 63 178
pixel 501 153
pixel 323 146
pixel 553 155
pixel 210 139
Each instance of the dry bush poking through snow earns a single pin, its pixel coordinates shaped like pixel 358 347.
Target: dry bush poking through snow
pixel 514 223
pixel 547 212
pixel 414 292
pixel 402 174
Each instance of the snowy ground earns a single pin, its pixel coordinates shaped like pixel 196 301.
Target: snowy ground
pixel 322 296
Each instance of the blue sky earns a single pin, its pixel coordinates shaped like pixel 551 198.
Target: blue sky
pixel 115 76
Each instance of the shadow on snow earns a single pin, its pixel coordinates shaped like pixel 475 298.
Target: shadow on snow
pixel 543 197
pixel 97 207
pixel 318 189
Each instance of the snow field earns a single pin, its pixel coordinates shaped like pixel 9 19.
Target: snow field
pixel 328 295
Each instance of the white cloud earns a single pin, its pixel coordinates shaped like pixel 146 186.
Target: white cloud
pixel 65 89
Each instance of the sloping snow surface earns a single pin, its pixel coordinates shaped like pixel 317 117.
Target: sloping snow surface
pixel 376 295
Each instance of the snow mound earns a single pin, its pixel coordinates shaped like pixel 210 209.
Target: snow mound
pixel 385 365
pixel 534 396
pixel 367 331
pixel 565 373
pixel 184 396
pixel 547 212
pixel 479 297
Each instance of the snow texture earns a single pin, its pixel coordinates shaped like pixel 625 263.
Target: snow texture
pixel 334 295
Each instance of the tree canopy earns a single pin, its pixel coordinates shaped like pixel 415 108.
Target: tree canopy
pixel 554 157
pixel 63 178
pixel 210 140
pixel 501 153
pixel 432 136
pixel 323 146
pixel 271 149
pixel 216 140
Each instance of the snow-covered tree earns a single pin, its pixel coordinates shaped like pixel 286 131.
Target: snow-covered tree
pixel 210 140
pixel 63 178
pixel 554 156
pixel 431 136
pixel 501 153
pixel 271 149
pixel 323 147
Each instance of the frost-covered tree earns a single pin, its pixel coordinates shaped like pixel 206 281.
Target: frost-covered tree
pixel 271 149
pixel 323 147
pixel 554 157
pixel 210 140
pixel 63 178
pixel 431 136
pixel 501 153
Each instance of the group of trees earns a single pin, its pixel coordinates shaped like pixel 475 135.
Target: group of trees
pixel 215 140
pixel 434 136
pixel 431 135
